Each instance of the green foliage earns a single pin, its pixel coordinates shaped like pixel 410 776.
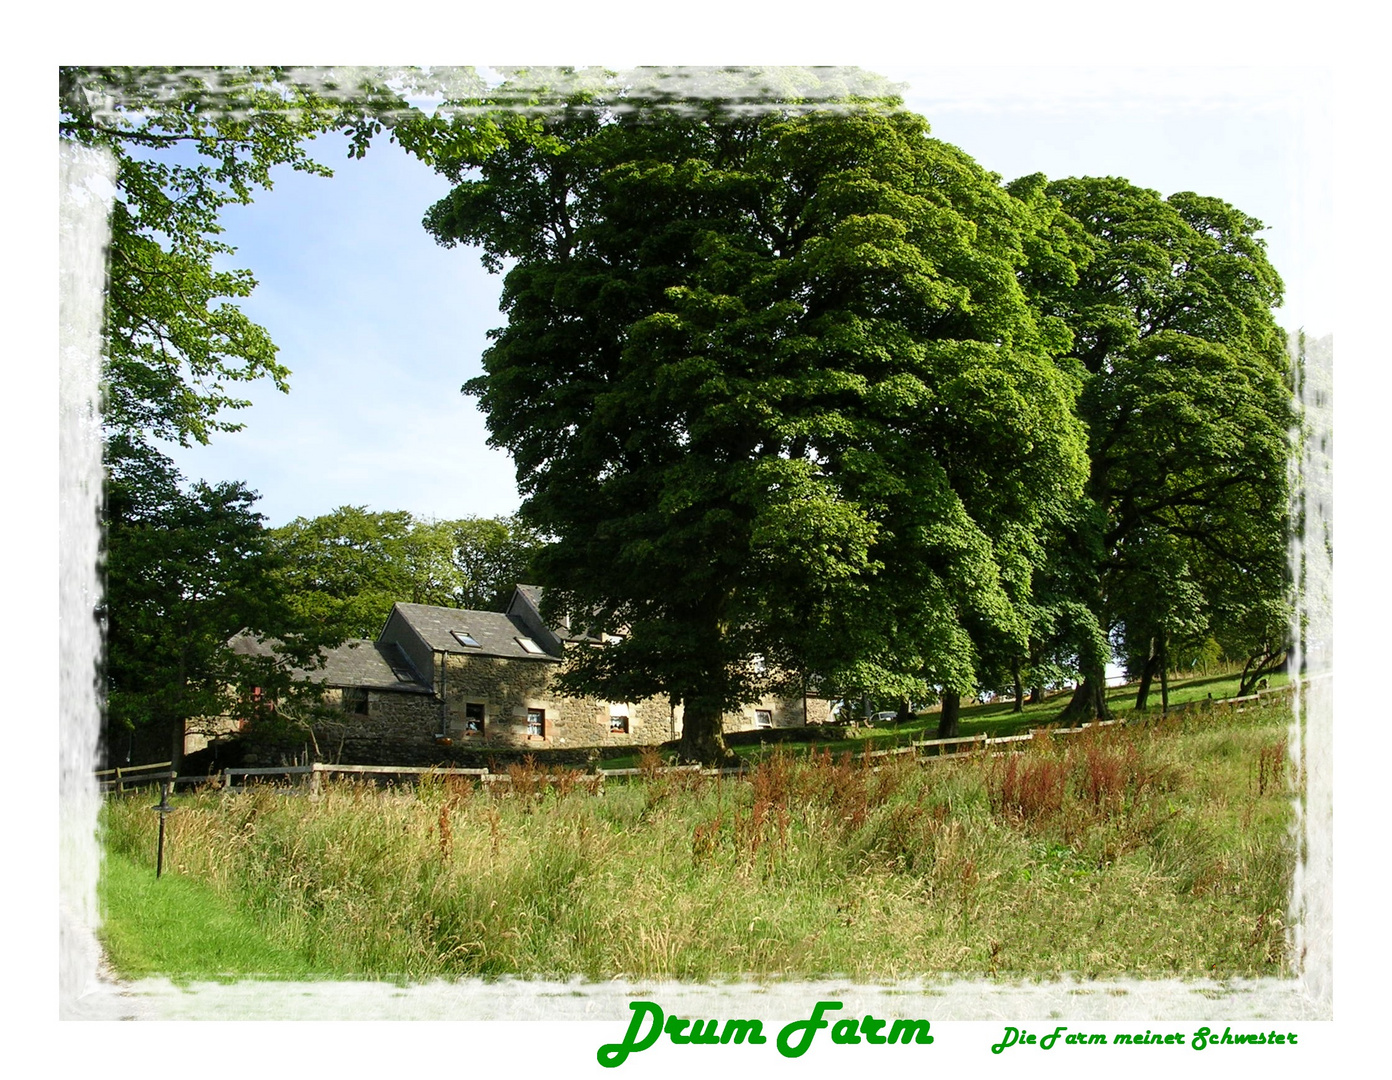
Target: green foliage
pixel 772 385
pixel 1188 408
pixel 343 570
pixel 187 567
pixel 491 556
pixel 187 143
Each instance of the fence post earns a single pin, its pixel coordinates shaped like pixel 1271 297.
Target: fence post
pixel 226 781
pixel 314 780
pixel 163 808
pixel 119 785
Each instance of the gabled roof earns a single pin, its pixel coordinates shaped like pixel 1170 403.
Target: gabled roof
pixel 370 664
pixel 531 595
pixel 497 634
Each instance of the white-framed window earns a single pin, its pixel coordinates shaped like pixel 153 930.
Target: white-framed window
pixel 536 722
pixel 465 638
pixel 530 646
pixel 618 719
pixel 763 718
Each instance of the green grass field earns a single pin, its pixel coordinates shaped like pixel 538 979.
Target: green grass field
pixel 1156 849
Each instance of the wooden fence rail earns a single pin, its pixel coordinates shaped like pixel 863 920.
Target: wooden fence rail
pixel 120 779
pixel 127 770
pixel 124 776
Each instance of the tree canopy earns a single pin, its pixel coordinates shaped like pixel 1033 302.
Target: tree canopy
pixel 187 568
pixel 342 571
pixel 1189 413
pixel 798 396
pixel 774 387
pixel 189 142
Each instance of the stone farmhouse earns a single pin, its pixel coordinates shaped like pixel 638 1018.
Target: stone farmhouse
pixel 440 679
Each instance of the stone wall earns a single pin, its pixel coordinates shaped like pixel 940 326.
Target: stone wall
pixel 508 690
pixel 398 729
pixel 201 732
pixel 783 713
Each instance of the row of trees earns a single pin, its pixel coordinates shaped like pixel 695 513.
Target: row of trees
pixel 796 393
pixel 809 386
pixel 342 572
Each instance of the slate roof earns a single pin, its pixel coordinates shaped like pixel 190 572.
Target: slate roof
pixel 495 633
pixel 371 664
pixel 532 593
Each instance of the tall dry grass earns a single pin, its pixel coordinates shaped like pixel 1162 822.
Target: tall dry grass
pixel 1155 851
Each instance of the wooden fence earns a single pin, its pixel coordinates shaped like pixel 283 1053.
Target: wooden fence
pixel 311 776
pixel 135 776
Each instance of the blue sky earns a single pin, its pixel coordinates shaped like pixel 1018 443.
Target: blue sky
pixel 380 326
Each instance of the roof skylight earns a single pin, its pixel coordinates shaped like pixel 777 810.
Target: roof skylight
pixel 465 638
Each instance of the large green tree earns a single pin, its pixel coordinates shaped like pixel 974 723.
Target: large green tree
pixel 772 384
pixel 1187 402
pixel 344 570
pixel 491 557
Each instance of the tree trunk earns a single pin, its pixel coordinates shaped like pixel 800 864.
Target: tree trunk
pixel 1147 675
pixel 1036 695
pixel 702 738
pixel 1019 689
pixel 905 713
pixel 176 744
pixel 1265 664
pixel 1089 701
pixel 1080 703
pixel 1164 675
pixel 951 709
